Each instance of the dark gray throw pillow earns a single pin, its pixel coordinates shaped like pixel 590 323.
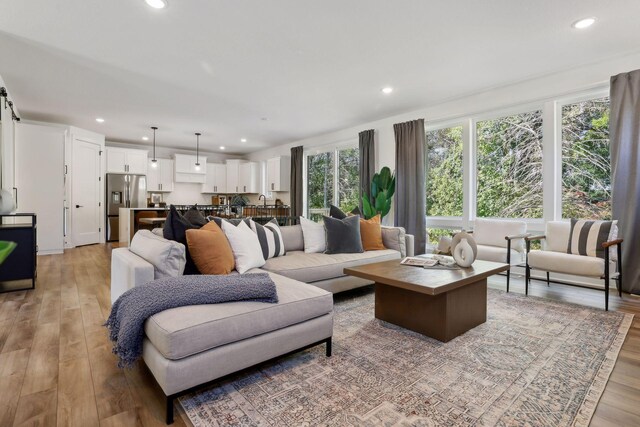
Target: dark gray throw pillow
pixel 343 235
pixel 336 212
pixel 195 217
pixel 175 228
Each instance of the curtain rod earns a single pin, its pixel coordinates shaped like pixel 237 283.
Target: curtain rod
pixel 4 94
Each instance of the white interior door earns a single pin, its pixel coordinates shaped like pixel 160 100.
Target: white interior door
pixel 85 193
pixel 39 182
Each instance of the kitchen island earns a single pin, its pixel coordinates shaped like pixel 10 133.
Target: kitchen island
pixel 129 218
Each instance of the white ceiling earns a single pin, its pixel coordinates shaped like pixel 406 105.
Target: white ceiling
pixel 308 67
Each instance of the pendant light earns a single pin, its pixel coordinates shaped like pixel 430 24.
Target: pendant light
pixel 154 161
pixel 198 150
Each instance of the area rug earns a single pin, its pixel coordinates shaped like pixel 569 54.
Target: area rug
pixel 534 362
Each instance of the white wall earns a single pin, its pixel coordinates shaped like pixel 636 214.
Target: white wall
pixel 7 145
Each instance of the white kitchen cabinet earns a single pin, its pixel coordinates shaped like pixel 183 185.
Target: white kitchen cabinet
pixel 160 177
pixel 278 173
pixel 126 160
pixel 233 174
pixel 186 170
pixel 248 178
pixel 216 179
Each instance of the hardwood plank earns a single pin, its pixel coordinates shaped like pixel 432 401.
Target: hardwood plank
pixel 72 340
pixel 21 336
pixel 76 402
pixel 9 398
pixel 42 371
pixel 123 419
pixel 5 329
pixel 13 363
pixel 37 409
pixel 111 388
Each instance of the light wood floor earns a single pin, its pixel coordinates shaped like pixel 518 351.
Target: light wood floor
pixel 56 365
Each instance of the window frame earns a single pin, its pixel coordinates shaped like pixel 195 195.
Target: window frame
pixel 329 148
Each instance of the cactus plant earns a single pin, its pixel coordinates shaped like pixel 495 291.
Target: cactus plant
pixel 383 185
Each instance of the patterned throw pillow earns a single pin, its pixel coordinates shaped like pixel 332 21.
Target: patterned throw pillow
pixel 270 238
pixel 586 237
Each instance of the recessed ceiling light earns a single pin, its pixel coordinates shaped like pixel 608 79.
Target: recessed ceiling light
pixel 100 120
pixel 387 90
pixel 222 147
pixel 243 140
pixel 157 4
pixel 583 23
pixel 145 138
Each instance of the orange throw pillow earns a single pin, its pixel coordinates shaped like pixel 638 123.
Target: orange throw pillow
pixel 210 249
pixel 371 234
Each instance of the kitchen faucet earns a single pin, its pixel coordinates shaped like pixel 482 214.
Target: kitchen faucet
pixel 262 196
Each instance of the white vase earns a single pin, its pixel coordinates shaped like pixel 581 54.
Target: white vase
pixel 6 202
pixel 463 254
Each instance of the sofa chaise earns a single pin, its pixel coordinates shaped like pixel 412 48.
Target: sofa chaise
pixel 188 347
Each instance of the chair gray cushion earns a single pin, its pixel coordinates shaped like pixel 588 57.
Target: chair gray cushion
pixel 496 254
pixel 184 331
pixel 343 235
pixel 314 267
pixel 559 262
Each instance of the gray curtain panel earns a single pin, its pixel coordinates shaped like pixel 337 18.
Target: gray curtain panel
pixel 410 196
pixel 624 134
pixel 367 162
pixel 297 157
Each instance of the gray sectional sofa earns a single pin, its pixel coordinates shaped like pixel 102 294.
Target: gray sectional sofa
pixel 187 347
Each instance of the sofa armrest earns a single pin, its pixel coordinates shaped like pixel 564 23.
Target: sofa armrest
pixel 128 270
pixel 409 240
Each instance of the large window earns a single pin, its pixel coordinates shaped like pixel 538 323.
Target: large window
pixel 509 172
pixel 444 172
pixel 332 178
pixel 586 165
pixel 348 178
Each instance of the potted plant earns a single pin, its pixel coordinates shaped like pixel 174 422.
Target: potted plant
pixel 383 185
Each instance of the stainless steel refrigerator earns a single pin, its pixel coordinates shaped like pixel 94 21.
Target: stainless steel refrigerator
pixel 123 191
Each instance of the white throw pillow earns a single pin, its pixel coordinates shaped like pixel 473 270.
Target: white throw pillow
pixel 395 238
pixel 167 256
pixel 315 236
pixel 245 245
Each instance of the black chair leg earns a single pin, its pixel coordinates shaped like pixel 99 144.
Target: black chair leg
pixel 508 277
pixel 527 278
pixel 329 347
pixel 548 280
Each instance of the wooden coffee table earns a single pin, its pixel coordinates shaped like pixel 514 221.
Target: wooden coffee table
pixel 441 304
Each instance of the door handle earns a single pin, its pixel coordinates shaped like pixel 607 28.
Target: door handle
pixel 78 206
pixel 245 188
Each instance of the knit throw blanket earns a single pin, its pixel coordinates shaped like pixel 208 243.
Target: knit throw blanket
pixel 135 306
